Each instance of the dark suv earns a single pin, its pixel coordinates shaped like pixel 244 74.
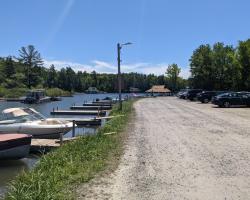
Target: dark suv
pixel 232 99
pixel 206 96
pixel 191 94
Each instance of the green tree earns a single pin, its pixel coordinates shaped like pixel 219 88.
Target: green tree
pixel 202 73
pixel 30 58
pixel 225 67
pixel 243 53
pixel 9 68
pixel 51 77
pixel 172 74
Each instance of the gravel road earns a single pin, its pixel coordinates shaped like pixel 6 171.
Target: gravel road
pixel 180 150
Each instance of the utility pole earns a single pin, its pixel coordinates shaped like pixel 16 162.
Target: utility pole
pixel 119 75
pixel 119 47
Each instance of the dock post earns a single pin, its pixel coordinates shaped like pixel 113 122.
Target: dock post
pixel 61 139
pixel 74 127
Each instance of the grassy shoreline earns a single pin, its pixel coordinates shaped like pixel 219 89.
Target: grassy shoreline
pixel 58 172
pixel 20 92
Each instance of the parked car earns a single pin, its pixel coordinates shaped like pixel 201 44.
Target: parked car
pixel 179 93
pixel 182 93
pixel 232 99
pixel 206 96
pixel 191 94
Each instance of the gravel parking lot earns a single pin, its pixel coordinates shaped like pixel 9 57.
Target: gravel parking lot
pixel 179 149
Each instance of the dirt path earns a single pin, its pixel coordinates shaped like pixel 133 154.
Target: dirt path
pixel 181 150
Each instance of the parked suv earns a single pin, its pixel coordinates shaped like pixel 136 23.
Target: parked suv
pixel 191 94
pixel 206 96
pixel 232 99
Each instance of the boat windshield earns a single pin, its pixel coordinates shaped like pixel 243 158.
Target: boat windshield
pixel 22 115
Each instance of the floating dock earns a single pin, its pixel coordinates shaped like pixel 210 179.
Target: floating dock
pixel 103 101
pixel 84 121
pixel 97 104
pixel 94 107
pixel 78 112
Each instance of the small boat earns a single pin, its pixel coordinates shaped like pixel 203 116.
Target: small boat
pixel 29 121
pixel 36 96
pixel 14 146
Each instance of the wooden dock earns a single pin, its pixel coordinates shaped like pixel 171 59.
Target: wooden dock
pixel 94 107
pixel 97 104
pixel 84 121
pixel 44 145
pixel 103 101
pixel 78 112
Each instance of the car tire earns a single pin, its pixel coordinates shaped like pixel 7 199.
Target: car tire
pixel 206 100
pixel 226 104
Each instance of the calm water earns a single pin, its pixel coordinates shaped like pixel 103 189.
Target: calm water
pixel 9 169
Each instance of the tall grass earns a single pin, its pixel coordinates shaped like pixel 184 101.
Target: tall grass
pixel 76 162
pixel 56 92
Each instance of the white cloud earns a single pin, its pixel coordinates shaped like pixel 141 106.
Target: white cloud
pixel 106 67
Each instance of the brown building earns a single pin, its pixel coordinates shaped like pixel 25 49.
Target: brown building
pixel 159 89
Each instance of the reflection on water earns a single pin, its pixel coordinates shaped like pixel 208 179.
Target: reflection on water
pixel 9 169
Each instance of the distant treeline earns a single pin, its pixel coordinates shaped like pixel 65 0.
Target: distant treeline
pixel 27 71
pixel 221 67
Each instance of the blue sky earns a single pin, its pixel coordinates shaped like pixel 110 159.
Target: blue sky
pixel 84 33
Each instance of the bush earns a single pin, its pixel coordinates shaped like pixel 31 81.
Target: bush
pixel 56 92
pixel 12 93
pixel 2 92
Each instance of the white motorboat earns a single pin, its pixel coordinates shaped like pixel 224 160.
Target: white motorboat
pixel 29 121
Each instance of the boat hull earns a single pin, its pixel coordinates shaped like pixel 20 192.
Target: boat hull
pixel 15 147
pixel 38 131
pixel 15 153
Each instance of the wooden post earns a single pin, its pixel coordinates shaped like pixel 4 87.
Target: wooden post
pixel 74 127
pixel 61 139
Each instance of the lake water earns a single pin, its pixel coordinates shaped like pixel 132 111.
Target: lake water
pixel 9 169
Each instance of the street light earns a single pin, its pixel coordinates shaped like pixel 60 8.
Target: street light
pixel 119 47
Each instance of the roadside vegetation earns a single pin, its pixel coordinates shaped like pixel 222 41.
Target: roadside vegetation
pixel 59 172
